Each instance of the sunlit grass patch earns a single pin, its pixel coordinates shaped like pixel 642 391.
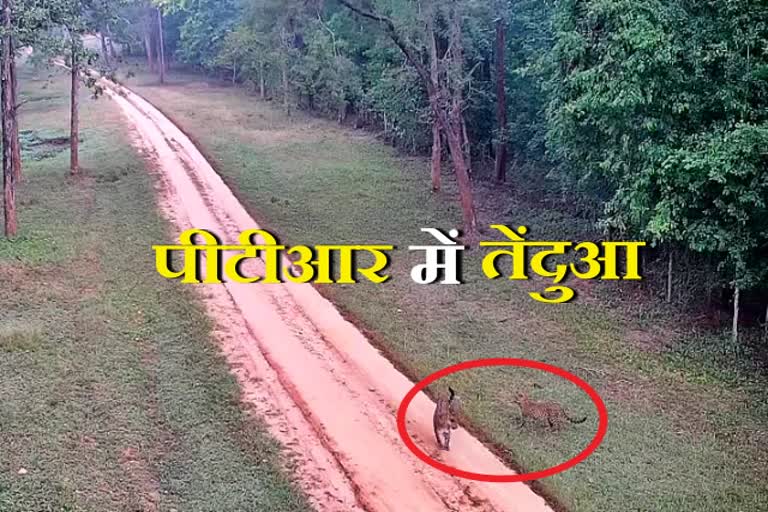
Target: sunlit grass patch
pixel 16 337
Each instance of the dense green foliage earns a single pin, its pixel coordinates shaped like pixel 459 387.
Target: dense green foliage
pixel 664 103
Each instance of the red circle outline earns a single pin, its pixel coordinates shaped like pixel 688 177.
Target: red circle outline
pixel 502 361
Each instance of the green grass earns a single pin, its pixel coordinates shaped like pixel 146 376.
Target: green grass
pixel 682 435
pixel 113 394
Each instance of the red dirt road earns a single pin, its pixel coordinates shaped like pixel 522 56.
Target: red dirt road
pixel 323 390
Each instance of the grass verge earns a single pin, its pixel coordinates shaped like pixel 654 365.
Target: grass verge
pixel 113 395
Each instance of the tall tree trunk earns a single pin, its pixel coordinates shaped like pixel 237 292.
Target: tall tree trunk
pixel 110 43
pixel 161 46
pixel 765 324
pixel 669 277
pixel 437 143
pixel 462 179
pixel 735 327
pixel 437 156
pixel 105 50
pixel 149 49
pixel 15 142
pixel 74 127
pixel 286 99
pixel 456 132
pixel 466 143
pixel 9 124
pixel 501 100
pixel 450 122
pixel 343 107
pixel 262 84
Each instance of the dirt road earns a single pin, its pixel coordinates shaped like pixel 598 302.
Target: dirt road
pixel 323 390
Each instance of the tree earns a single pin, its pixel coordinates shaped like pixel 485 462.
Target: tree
pixel 664 106
pixel 244 53
pixel 446 104
pixel 437 145
pixel 15 142
pixel 501 95
pixel 74 23
pixel 9 121
pixel 149 24
pixel 22 22
pixel 74 131
pixel 102 15
pixel 66 23
pixel 204 27
pixel 161 44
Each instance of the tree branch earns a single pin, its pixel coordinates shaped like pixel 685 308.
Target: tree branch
pixel 21 103
pixel 367 14
pixel 404 46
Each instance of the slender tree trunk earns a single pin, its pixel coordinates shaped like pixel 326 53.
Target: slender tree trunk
pixel 74 130
pixel 161 46
pixel 453 126
pixel 765 324
pixel 286 99
pixel 501 101
pixel 234 71
pixel 466 143
pixel 456 83
pixel 150 49
pixel 8 114
pixel 450 123
pixel 343 107
pixel 462 179
pixel 110 43
pixel 105 50
pixel 262 85
pixel 669 277
pixel 456 128
pixel 437 157
pixel 464 183
pixel 437 143
pixel 735 327
pixel 15 142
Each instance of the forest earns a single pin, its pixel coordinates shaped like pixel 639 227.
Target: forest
pixel 646 119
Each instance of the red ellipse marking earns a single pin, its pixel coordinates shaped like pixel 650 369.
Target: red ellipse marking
pixel 602 427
